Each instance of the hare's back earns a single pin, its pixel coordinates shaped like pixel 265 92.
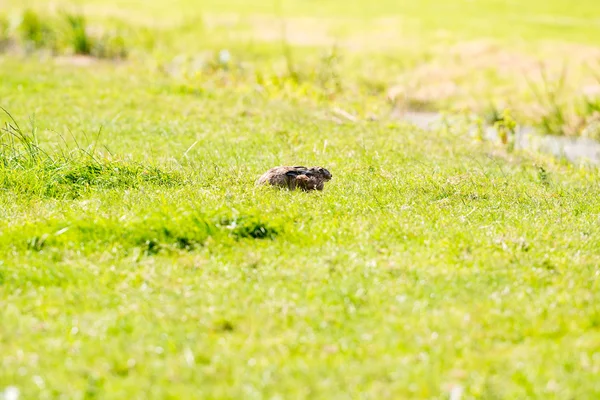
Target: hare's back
pixel 274 176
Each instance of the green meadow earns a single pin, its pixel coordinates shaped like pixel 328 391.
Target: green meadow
pixel 138 259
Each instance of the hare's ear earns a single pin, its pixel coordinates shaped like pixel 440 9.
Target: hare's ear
pixel 299 167
pixel 294 173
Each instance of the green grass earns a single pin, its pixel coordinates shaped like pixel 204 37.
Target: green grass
pixel 139 260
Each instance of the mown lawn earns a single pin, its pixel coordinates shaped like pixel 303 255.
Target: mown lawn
pixel 139 260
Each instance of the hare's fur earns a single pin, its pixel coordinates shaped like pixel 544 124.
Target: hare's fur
pixel 298 177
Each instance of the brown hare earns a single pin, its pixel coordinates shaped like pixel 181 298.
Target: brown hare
pixel 300 177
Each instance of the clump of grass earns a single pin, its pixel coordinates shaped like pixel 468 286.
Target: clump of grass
pixel 68 33
pixel 150 235
pixel 26 167
pixel 81 41
pixel 77 177
pixel 111 45
pixel 157 232
pixel 553 119
pixel 560 116
pixel 37 30
pixel 19 149
pixel 248 226
pixel 166 232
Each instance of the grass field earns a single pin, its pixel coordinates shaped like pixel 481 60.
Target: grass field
pixel 139 260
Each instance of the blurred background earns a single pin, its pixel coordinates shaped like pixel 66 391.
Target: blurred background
pixel 539 58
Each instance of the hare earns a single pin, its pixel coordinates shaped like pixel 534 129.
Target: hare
pixel 306 179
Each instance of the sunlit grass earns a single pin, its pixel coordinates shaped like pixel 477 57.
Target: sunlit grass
pixel 139 259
